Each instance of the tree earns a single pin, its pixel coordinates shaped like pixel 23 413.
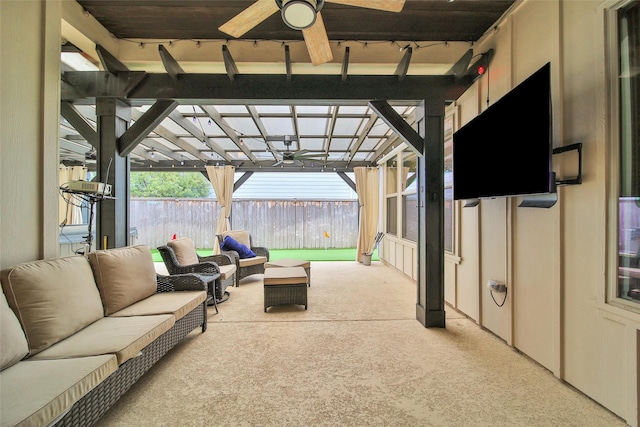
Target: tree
pixel 169 184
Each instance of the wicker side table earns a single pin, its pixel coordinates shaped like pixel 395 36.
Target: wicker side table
pixel 285 285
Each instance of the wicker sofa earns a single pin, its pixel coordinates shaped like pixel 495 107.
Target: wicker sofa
pixel 78 332
pixel 246 266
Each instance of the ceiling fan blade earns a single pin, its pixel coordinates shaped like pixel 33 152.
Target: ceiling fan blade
pixel 318 42
pixel 386 5
pixel 249 18
pixel 278 163
pixel 312 156
pixel 300 152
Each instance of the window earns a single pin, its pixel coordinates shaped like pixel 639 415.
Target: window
pixel 409 196
pixel 628 20
pixel 392 215
pixel 448 180
pixel 391 192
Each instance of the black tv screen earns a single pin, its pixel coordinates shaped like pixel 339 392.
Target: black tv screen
pixel 506 150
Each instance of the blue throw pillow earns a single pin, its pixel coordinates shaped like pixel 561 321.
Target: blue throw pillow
pixel 231 244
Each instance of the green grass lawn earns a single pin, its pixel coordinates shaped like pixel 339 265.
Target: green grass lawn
pixel 340 254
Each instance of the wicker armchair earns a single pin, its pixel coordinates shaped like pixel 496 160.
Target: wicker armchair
pixel 180 257
pixel 246 266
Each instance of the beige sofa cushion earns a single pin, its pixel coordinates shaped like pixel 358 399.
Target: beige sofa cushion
pixel 123 336
pixel 123 275
pixel 35 392
pixel 12 340
pixel 52 299
pixel 285 276
pixel 241 236
pixel 185 250
pixel 178 304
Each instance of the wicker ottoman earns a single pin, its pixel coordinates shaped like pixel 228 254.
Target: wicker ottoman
pixel 285 285
pixel 290 262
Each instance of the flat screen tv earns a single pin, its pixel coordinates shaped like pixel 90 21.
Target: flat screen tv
pixel 506 150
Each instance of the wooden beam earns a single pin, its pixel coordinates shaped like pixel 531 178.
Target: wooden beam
pixel 263 131
pixel 312 89
pixel 242 180
pixel 229 63
pixel 198 133
pixel 244 166
pixel 170 64
pixel 345 64
pixel 398 125
pixel 347 180
pixel 145 124
pixel 79 123
pixel 363 135
pixel 110 62
pixel 287 62
pixel 459 69
pixel 403 66
pixel 171 137
pixel 228 130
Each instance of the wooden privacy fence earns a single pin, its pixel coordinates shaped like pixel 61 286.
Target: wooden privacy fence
pixel 276 224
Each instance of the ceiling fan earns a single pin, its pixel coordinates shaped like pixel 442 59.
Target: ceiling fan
pixel 296 158
pixel 301 15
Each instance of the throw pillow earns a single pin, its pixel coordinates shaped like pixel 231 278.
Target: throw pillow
pixel 124 276
pixel 230 244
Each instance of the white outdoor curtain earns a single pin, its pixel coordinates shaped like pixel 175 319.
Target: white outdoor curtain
pixel 69 210
pixel 367 187
pixel 221 178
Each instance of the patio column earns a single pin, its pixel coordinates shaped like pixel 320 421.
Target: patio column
pixel 112 220
pixel 430 306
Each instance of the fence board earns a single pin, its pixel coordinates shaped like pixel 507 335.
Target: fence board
pixel 276 224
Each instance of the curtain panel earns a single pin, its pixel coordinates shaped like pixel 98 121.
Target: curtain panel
pixel 368 189
pixel 221 178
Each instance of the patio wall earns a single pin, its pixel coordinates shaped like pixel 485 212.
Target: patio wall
pixel 276 224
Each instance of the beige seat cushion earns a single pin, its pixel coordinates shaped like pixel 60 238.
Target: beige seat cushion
pixel 52 298
pixel 285 276
pixel 124 276
pixel 122 336
pixel 241 236
pixel 227 271
pixel 185 250
pixel 12 340
pixel 246 262
pixel 52 387
pixel 178 304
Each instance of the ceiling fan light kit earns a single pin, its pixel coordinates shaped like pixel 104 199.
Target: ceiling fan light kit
pixel 303 15
pixel 299 14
